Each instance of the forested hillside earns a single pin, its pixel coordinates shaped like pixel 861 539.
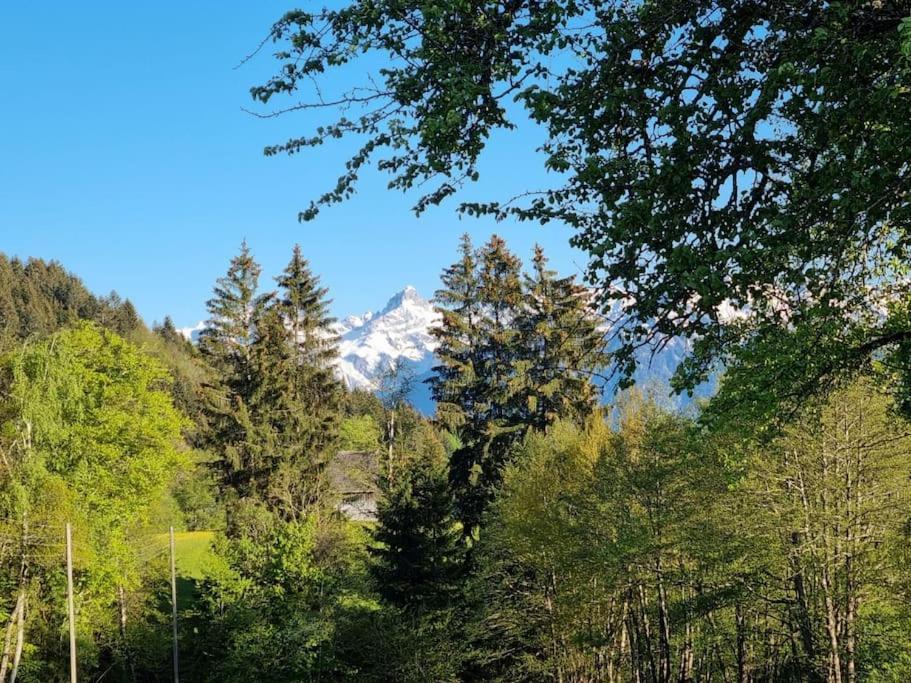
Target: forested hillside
pixel 38 298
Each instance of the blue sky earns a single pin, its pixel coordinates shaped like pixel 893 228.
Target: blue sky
pixel 124 154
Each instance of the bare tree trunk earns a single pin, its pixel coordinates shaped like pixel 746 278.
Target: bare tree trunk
pixel 713 656
pixel 391 442
pixel 645 636
pixel 740 623
pixel 549 596
pixel 802 608
pixel 664 629
pixel 625 645
pixel 828 566
pixel 832 622
pixel 632 637
pixel 4 663
pixel 686 654
pixel 122 607
pixel 128 654
pixel 18 615
pixel 20 638
pixel 854 479
pixel 850 640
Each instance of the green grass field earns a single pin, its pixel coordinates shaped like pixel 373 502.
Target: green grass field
pixel 194 553
pixel 193 550
pixel 194 561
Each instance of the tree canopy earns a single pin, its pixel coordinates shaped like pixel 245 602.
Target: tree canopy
pixel 737 171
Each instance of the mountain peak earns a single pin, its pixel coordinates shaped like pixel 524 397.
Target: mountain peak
pixel 399 333
pixel 408 295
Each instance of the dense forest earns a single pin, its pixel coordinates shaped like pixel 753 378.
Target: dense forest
pixel 737 173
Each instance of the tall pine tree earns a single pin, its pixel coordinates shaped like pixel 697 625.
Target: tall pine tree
pixel 275 417
pixel 500 279
pixel 458 335
pixel 562 347
pixel 417 560
pixel 230 330
pixel 304 306
pixel 516 353
pixel 305 393
pixel 475 381
pixel 226 343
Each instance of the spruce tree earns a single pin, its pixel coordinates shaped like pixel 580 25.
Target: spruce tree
pixel 126 319
pixel 476 381
pixel 275 418
pixel 304 306
pixel 501 302
pixel 459 338
pixel 275 413
pixel 516 353
pixel 168 332
pixel 230 330
pixel 9 315
pixel 295 396
pixel 226 343
pixel 561 345
pixel 417 559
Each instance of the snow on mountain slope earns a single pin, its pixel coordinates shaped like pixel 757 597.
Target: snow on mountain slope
pixel 370 343
pixel 192 333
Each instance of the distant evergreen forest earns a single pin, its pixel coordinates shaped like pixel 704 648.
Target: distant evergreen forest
pixel 38 298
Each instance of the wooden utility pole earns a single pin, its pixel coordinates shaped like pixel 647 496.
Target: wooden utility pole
pixel 174 607
pixel 70 605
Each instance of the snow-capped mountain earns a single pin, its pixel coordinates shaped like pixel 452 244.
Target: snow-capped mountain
pixel 192 333
pixel 371 342
pixel 399 333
